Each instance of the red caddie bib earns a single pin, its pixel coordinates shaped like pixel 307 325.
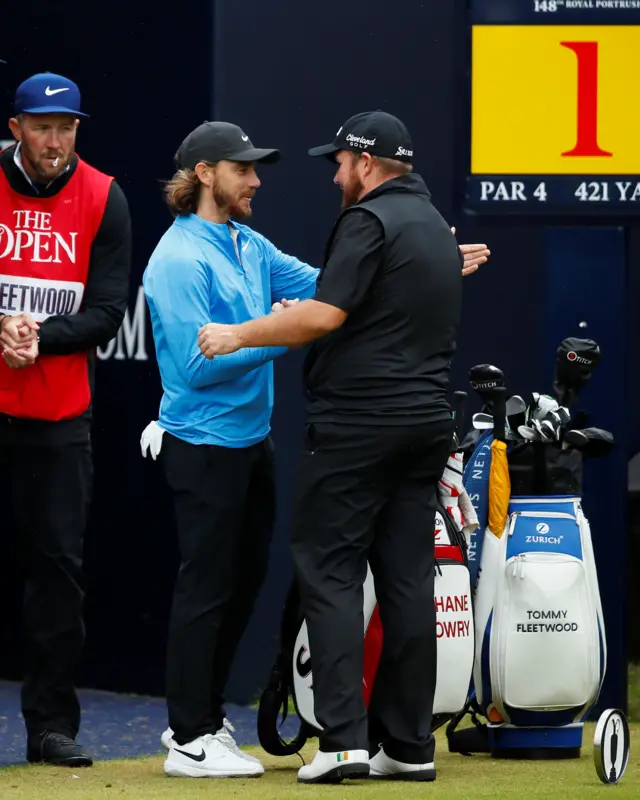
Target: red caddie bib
pixel 45 248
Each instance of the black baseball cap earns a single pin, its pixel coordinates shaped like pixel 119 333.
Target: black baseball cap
pixel 374 132
pixel 221 141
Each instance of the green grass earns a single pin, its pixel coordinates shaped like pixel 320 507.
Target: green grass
pixel 458 777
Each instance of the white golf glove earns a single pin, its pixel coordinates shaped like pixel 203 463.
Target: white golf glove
pixel 454 497
pixel 151 439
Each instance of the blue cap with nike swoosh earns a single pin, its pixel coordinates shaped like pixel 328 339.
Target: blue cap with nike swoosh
pixel 46 93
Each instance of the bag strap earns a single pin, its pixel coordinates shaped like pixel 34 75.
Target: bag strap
pixel 456 535
pixel 468 740
pixel 275 697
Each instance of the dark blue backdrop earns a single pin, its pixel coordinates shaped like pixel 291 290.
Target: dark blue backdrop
pixel 290 73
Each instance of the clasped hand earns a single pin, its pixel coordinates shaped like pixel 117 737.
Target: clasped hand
pixel 19 340
pixel 216 339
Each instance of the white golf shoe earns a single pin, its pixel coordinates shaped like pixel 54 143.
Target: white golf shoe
pixel 224 735
pixel 165 738
pixel 208 757
pixel 383 767
pixel 335 767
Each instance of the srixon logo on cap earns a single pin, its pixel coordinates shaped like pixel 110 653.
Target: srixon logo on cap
pixel 573 356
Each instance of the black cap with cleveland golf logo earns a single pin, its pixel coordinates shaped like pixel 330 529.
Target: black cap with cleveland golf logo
pixel 374 132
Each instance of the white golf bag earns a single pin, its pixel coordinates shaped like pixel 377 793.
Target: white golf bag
pixel 540 655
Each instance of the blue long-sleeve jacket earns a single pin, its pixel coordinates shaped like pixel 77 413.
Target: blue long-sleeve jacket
pixel 196 276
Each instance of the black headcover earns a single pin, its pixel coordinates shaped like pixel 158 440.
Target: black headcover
pixel 483 379
pixel 576 359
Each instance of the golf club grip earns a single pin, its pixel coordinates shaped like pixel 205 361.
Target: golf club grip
pixel 460 399
pixel 499 412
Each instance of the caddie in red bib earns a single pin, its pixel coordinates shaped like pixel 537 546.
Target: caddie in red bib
pixel 65 245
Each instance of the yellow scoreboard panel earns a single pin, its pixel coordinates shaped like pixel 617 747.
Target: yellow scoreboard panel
pixel 555 118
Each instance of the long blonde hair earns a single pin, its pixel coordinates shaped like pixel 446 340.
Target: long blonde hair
pixel 182 191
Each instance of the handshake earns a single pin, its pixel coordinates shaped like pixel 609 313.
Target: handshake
pixel 276 308
pixel 218 339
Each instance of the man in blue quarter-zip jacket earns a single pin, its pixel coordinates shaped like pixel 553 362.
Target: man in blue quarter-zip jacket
pixel 215 414
pixel 213 431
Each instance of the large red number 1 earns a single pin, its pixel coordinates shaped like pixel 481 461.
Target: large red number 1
pixel 587 143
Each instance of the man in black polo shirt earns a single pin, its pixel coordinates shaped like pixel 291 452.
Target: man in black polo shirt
pixel 379 430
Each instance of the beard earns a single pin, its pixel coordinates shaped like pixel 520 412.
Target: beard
pixel 351 191
pixel 45 172
pixel 225 200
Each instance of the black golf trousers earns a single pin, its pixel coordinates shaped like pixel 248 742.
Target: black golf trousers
pixel 46 471
pixel 369 493
pixel 224 502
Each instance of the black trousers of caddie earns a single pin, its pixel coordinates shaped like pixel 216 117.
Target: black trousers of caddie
pixel 369 493
pixel 46 473
pixel 224 500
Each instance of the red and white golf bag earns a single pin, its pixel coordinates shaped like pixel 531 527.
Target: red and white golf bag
pixel 293 675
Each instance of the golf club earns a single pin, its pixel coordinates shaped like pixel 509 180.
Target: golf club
pixel 528 433
pixel 575 440
pixel 599 442
pixel 545 404
pixel 516 410
pixel 484 378
pixel 576 359
pixel 482 421
pixel 532 405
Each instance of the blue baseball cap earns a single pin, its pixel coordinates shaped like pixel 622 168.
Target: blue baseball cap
pixel 46 93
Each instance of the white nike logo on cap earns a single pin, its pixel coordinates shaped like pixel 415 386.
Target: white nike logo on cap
pixel 50 92
pixel 245 138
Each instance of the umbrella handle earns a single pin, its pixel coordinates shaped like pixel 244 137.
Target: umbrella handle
pixel 499 413
pixel 460 399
